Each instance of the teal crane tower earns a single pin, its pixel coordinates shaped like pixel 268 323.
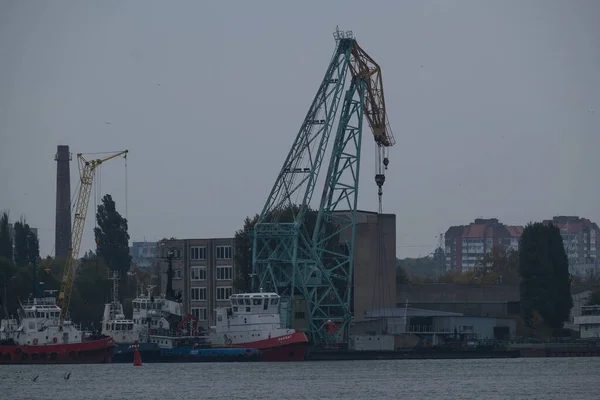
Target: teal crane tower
pixel 313 261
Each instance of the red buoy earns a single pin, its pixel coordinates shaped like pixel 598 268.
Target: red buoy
pixel 137 358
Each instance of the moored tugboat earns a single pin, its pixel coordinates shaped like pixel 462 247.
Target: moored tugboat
pixel 37 336
pixel 254 321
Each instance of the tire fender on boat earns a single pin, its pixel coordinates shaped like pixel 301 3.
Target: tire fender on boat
pixel 227 339
pixel 54 340
pixel 35 341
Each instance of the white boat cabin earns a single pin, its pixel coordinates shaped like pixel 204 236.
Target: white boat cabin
pixel 155 314
pixel 154 311
pixel 255 303
pixel 251 317
pixel 39 324
pixel 115 325
pixel 589 322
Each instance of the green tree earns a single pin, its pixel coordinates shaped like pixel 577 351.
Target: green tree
pixel 501 265
pixel 439 257
pixel 33 245
pixel 6 244
pixel 242 255
pixel 112 238
pixel 420 266
pixel 401 276
pixel 544 270
pixel 561 283
pixel 19 281
pixel 89 255
pixel 90 291
pixel 594 299
pixel 26 245
pixel 7 272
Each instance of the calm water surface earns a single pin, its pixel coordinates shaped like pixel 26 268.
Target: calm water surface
pixel 542 378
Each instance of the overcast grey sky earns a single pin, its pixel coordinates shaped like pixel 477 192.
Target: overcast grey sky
pixel 495 107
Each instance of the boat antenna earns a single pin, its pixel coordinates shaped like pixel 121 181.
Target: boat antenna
pixel 170 293
pixel 35 282
pixel 169 255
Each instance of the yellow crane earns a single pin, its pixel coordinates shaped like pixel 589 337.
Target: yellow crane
pixel 87 171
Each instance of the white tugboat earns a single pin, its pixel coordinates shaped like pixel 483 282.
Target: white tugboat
pixel 254 321
pixel 163 319
pixel 38 336
pixel 114 323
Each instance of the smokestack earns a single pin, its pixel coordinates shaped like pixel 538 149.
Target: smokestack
pixel 62 238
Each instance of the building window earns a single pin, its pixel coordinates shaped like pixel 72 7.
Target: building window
pixel 177 274
pixel 197 253
pixel 198 293
pixel 224 272
pixel 199 313
pixel 223 293
pixel 223 252
pixel 198 273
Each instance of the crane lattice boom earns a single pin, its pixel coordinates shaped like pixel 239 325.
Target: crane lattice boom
pixel 87 170
pixel 311 267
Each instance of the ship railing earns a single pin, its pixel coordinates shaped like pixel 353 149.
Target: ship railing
pixel 170 333
pixel 396 329
pixel 43 301
pixel 76 326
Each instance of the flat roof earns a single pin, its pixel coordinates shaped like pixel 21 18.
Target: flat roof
pixel 409 312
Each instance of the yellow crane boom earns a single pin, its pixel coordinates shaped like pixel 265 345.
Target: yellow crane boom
pixel 87 170
pixel 363 66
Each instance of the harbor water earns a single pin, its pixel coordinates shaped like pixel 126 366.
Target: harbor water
pixel 521 378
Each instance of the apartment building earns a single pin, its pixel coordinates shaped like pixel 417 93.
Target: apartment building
pixel 203 271
pixel 581 239
pixel 466 244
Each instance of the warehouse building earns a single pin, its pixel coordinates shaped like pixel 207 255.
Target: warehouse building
pixel 388 329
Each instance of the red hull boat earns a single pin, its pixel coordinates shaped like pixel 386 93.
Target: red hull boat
pixel 290 347
pixel 38 336
pixel 87 352
pixel 253 321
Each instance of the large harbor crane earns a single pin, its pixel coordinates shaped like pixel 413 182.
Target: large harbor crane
pixel 87 171
pixel 316 263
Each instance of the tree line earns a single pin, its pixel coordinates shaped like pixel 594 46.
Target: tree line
pixel 92 287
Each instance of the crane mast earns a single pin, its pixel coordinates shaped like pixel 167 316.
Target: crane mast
pixel 87 170
pixel 311 267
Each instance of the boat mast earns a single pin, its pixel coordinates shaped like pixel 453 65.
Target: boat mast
pixel 169 292
pixel 115 279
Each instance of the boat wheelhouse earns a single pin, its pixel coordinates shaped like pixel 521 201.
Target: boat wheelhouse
pixel 39 323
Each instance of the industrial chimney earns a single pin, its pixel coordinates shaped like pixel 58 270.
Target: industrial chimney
pixel 62 238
